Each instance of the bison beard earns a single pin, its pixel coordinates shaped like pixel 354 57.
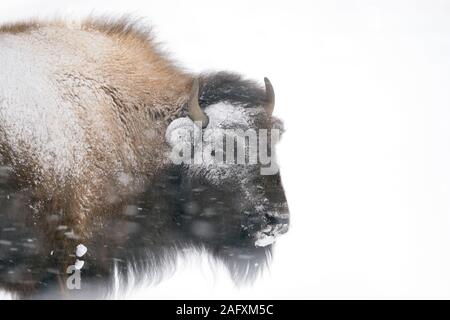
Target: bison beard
pixel 125 200
pixel 144 240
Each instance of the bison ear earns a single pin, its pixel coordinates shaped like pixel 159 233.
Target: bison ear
pixel 194 111
pixel 179 131
pixel 278 125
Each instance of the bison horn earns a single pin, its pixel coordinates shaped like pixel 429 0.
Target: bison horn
pixel 194 111
pixel 270 97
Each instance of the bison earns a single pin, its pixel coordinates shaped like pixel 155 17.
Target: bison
pixel 92 117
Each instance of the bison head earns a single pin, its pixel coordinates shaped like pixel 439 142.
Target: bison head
pixel 224 145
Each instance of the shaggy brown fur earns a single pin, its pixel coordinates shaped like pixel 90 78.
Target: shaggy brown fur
pixel 124 94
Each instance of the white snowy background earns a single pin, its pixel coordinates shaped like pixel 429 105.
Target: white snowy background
pixel 363 88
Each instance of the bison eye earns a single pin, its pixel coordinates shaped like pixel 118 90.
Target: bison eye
pixel 213 153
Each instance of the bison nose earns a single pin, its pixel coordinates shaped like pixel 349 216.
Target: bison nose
pixel 277 225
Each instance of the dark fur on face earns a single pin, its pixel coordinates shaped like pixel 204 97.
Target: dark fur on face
pixel 231 88
pixel 228 87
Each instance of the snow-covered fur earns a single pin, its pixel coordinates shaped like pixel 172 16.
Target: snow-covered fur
pixel 84 112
